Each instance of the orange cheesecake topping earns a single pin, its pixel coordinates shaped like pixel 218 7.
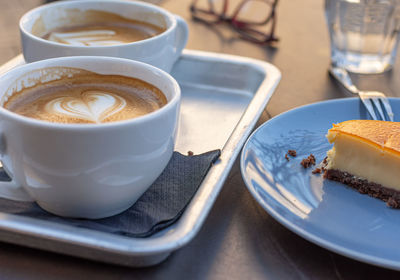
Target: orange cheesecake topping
pixel 385 135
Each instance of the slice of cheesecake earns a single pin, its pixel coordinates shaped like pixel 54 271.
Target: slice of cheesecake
pixel 366 157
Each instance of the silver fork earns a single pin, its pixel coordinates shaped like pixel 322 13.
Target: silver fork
pixel 369 98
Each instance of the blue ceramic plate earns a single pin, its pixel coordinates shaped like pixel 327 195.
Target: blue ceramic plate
pixel 322 211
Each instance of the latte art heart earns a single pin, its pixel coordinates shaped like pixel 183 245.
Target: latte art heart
pixel 93 106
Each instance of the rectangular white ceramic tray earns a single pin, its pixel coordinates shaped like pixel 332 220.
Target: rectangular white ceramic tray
pixel 222 98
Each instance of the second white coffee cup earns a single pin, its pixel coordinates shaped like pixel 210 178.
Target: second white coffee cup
pixel 161 50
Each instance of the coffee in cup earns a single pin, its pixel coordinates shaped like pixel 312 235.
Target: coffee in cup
pixel 81 96
pixel 97 28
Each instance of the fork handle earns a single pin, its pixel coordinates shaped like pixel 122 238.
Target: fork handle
pixel 344 78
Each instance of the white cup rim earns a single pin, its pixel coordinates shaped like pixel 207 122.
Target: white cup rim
pixel 28 15
pixel 91 126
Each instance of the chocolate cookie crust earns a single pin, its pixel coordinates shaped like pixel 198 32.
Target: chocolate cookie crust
pixel 391 197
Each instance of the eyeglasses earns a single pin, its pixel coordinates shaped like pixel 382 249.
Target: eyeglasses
pixel 246 18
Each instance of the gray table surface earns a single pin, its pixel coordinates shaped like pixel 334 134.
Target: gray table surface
pixel 239 239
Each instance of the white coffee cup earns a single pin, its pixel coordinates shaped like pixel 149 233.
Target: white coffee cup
pixel 161 50
pixel 86 170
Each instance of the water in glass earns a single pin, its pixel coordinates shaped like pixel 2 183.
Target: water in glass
pixel 364 34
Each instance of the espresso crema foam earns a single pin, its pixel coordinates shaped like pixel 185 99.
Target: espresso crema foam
pixel 98 28
pixel 86 97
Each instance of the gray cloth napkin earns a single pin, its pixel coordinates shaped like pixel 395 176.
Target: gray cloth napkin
pixel 159 207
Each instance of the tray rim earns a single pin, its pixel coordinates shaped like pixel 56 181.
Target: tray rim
pixel 198 209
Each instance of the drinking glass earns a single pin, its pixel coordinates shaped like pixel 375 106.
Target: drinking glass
pixel 364 34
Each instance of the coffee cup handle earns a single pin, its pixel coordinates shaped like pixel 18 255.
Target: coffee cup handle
pixel 182 35
pixel 9 188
